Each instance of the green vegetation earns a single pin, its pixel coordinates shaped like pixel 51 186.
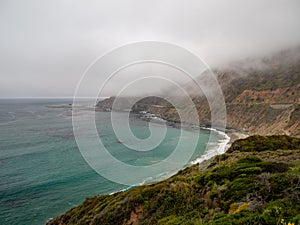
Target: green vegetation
pixel 258 143
pixel 279 73
pixel 256 182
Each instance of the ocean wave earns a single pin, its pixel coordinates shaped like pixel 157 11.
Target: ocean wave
pixel 218 148
pixel 148 180
pixel 11 118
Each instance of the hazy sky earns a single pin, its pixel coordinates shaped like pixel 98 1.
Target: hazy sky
pixel 46 45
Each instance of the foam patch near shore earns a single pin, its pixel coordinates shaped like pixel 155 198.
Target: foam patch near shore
pixel 220 147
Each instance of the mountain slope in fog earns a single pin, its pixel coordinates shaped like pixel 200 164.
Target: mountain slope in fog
pixel 262 96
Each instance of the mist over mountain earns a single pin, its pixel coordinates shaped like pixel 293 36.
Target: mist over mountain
pixel 262 95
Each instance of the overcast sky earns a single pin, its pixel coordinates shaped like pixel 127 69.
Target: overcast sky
pixel 45 46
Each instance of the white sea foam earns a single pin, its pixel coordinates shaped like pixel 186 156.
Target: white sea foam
pixel 148 180
pixel 217 149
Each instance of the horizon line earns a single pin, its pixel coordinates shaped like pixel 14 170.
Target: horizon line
pixel 49 97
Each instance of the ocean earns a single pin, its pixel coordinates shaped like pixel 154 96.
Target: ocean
pixel 42 171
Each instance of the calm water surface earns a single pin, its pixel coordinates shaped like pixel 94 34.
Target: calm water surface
pixel 43 174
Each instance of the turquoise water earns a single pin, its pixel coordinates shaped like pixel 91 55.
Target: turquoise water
pixel 43 174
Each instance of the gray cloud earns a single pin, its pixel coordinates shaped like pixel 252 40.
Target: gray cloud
pixel 46 45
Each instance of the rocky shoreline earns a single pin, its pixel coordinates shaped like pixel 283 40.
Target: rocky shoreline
pixel 233 134
pixel 230 135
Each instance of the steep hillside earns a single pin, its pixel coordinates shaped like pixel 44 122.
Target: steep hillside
pixel 256 182
pixel 266 101
pixel 261 96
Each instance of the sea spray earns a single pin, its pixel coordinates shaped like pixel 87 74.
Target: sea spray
pixel 218 149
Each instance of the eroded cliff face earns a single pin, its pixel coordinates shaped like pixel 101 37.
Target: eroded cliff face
pixel 264 119
pixel 275 114
pixel 261 100
pixel 266 102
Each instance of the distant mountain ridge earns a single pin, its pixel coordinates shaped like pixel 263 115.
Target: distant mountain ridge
pixel 262 96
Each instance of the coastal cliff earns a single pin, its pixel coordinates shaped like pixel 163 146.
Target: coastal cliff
pixel 261 97
pixel 257 181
